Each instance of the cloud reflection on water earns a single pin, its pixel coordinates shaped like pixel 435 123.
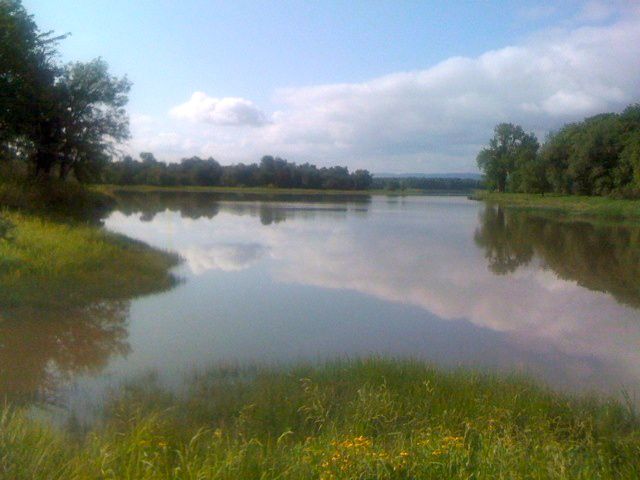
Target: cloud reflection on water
pixel 420 253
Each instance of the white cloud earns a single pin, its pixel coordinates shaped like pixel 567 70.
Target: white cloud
pixel 225 257
pixel 230 111
pixel 427 120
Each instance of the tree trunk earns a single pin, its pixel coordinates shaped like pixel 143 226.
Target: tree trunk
pixel 65 168
pixel 44 163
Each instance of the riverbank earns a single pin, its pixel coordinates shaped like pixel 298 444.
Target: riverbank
pixel 595 207
pixel 381 419
pixel 51 264
pixel 55 199
pixel 111 189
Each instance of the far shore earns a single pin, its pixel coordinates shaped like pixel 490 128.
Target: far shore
pixel 572 205
pixel 270 190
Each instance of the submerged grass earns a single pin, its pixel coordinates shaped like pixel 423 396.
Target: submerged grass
pixel 45 263
pixel 364 419
pixel 574 205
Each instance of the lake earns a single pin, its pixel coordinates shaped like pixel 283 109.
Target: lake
pixel 282 279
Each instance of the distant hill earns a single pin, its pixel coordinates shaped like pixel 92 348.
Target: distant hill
pixel 466 175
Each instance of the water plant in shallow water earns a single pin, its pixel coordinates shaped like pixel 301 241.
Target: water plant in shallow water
pixel 360 419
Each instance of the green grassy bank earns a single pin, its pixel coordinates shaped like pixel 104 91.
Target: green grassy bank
pixel 569 205
pixel 54 256
pixel 367 419
pixel 46 263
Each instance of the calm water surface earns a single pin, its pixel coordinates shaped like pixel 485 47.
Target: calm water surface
pixel 444 279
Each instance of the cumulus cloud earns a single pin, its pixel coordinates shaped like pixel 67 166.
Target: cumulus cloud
pixel 230 111
pixel 225 257
pixel 434 119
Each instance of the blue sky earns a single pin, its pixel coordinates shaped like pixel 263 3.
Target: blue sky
pixel 389 86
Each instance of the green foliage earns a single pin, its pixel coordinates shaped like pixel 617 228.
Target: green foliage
pixel 505 161
pixel 64 118
pixel 47 264
pixel 270 172
pixel 598 156
pixel 360 419
pixel 572 205
pixel 94 118
pixel 26 72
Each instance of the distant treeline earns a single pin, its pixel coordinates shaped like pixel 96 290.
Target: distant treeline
pixel 195 171
pixel 438 184
pixel 598 156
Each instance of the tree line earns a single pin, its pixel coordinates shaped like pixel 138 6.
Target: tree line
pixel 67 120
pixel 598 156
pixel 195 171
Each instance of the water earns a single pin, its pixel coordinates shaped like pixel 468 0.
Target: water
pixel 283 279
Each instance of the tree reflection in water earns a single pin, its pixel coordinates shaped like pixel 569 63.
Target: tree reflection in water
pixel 600 257
pixel 42 350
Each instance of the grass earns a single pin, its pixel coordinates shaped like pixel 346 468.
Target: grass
pixel 358 419
pixel 45 264
pixel 53 255
pixel 573 205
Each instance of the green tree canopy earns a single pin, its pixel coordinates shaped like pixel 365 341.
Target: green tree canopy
pixel 598 156
pixel 55 116
pixel 508 150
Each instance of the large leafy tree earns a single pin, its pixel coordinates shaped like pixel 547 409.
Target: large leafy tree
pixel 27 72
pixel 93 117
pixel 64 118
pixel 508 150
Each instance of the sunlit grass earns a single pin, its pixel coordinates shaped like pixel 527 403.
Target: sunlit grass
pixel 47 263
pixel 364 419
pixel 571 205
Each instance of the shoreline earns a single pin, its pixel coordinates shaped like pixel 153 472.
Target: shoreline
pixel 64 265
pixel 573 206
pixel 367 418
pixel 111 189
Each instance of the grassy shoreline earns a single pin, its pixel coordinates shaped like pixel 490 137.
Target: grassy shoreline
pixel 55 255
pixel 50 264
pixel 579 206
pixel 110 189
pixel 349 419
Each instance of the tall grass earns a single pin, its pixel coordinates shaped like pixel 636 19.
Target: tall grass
pixel 365 419
pixel 44 263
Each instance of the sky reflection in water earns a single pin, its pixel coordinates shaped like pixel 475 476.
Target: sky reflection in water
pixel 444 279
